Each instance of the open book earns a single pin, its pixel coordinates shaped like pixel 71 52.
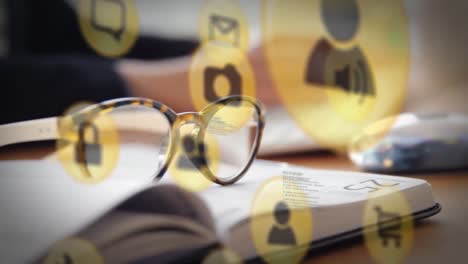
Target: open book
pixel 137 221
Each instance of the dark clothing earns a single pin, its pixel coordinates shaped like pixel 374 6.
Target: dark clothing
pixel 38 87
pixel 50 66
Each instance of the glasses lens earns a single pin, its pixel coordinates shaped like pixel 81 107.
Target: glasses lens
pixel 233 129
pixel 144 136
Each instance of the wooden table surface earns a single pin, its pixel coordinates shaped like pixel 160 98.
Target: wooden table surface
pixel 442 238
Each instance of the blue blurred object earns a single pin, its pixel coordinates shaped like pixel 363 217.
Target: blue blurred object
pixel 413 143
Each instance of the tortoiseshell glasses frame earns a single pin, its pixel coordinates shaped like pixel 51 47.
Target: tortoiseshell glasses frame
pixel 48 129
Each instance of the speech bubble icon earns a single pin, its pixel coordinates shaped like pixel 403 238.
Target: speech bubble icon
pixel 109 16
pixel 110 27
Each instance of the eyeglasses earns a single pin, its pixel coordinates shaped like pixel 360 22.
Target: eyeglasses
pixel 220 141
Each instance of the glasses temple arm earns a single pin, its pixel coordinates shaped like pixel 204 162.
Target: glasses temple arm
pixel 28 131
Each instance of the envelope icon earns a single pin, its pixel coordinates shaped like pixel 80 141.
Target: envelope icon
pixel 223 28
pixel 109 16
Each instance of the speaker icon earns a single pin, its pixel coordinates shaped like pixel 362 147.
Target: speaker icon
pixel 347 70
pixel 342 78
pixel 354 80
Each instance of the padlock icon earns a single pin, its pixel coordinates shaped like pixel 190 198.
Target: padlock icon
pixel 193 157
pixel 88 153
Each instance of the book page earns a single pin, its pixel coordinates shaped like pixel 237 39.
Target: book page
pixel 329 203
pixel 40 204
pixel 322 188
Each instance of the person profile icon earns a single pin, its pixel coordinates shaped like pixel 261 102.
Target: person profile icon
pixel 281 233
pixel 195 154
pixel 341 68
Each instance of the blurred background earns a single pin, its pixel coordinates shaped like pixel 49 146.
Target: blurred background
pixel 437 41
pixel 32 30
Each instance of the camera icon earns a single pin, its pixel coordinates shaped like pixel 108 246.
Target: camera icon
pixel 230 73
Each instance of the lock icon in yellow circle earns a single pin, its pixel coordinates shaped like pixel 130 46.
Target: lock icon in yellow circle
pixel 88 153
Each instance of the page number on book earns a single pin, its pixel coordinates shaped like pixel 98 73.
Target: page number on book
pixel 369 185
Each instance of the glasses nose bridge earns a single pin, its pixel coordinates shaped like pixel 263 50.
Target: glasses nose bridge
pixel 188 118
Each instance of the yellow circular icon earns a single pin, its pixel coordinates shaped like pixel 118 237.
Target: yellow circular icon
pixel 222 255
pixel 224 22
pixel 282 223
pixel 389 217
pixel 184 169
pixel 110 27
pixel 87 148
pixel 337 65
pixel 74 250
pixel 218 71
